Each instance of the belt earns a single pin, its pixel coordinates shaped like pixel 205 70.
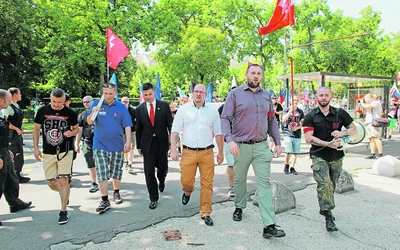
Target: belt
pixel 198 149
pixel 252 142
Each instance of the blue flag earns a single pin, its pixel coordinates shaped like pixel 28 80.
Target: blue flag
pixel 271 93
pixel 181 93
pixel 114 80
pixel 209 93
pixel 158 87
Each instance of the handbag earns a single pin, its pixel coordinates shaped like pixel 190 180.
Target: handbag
pixel 379 122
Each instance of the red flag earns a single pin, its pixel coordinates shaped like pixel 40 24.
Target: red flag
pixel 116 49
pixel 249 64
pixel 283 16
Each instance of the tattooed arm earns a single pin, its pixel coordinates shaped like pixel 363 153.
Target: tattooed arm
pixel 311 139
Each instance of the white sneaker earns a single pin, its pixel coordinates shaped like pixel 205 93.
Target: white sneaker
pixel 231 192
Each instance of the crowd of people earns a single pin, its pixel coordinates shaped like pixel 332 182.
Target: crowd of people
pixel 108 130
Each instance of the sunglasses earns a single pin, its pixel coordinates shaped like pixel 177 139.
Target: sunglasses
pixel 109 85
pixel 274 98
pixel 86 101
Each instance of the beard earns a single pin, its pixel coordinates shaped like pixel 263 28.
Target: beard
pixel 252 84
pixel 323 104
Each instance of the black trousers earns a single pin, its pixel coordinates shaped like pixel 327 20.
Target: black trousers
pixel 16 146
pixel 155 158
pixel 9 185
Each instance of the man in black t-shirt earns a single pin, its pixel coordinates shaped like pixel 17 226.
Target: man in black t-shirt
pixel 59 124
pixel 291 121
pixel 278 109
pixel 322 129
pixel 86 134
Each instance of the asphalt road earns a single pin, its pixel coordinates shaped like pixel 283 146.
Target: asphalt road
pixel 37 227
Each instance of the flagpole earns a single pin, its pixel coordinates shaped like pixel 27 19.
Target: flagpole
pixel 286 82
pixel 291 67
pixel 108 68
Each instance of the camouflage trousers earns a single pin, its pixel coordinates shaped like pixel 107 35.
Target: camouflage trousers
pixel 326 174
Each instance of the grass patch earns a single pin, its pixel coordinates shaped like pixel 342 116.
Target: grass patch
pixel 27 126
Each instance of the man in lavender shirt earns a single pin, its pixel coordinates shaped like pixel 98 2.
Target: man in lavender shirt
pixel 247 117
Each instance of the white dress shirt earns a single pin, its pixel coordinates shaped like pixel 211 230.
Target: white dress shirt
pixel 148 107
pixel 9 111
pixel 199 125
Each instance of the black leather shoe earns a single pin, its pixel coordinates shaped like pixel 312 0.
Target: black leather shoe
pixel 286 169
pixel 185 199
pixel 22 206
pixel 293 171
pixel 208 221
pixel 272 231
pixel 161 186
pixel 22 179
pixel 153 205
pixel 237 215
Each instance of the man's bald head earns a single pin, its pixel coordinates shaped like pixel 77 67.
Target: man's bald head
pixel 5 99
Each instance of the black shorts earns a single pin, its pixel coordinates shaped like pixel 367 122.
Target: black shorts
pixel 87 150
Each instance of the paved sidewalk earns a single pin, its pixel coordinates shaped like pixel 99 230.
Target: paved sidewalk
pixel 367 218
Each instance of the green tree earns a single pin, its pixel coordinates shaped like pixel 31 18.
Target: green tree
pixel 18 43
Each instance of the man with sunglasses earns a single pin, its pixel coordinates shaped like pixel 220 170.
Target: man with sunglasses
pixel 291 120
pixel 111 119
pixel 86 135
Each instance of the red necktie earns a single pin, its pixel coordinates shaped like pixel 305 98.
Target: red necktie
pixel 152 114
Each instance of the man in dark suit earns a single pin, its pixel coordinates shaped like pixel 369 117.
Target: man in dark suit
pixel 153 127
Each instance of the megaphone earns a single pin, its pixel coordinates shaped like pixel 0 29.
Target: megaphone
pixel 353 139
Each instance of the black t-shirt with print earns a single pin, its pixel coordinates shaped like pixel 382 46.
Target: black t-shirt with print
pixel 291 123
pixel 51 122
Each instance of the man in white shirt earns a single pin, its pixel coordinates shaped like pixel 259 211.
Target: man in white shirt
pixel 374 110
pixel 200 124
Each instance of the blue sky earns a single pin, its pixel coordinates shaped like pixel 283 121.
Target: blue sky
pixel 388 8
